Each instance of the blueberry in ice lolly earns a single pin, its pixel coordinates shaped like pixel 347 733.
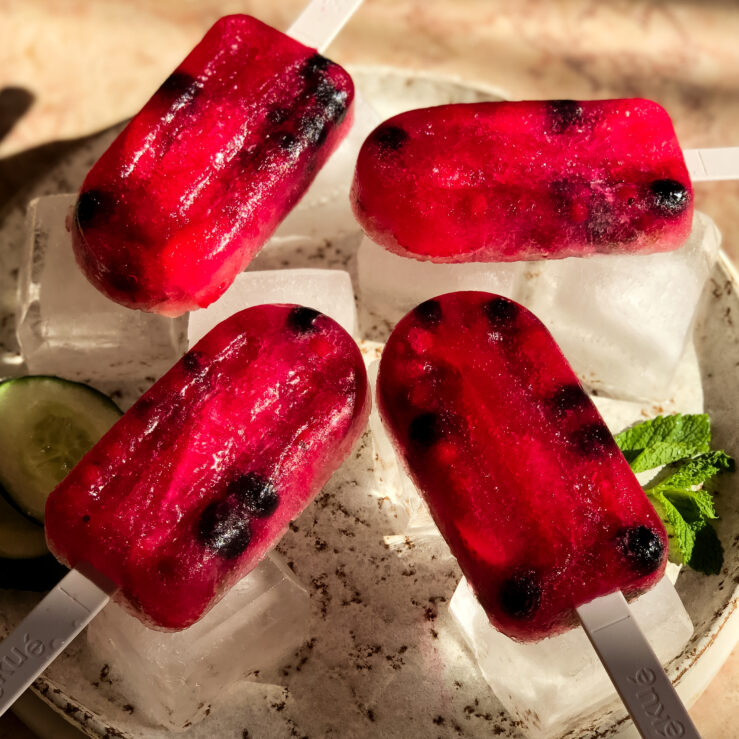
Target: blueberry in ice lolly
pixel 510 181
pixel 203 174
pixel 523 478
pixel 186 493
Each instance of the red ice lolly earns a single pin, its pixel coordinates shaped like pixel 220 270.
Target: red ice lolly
pixel 203 174
pixel 186 493
pixel 502 182
pixel 523 478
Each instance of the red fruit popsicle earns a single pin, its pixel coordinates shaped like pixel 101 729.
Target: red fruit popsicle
pixel 523 478
pixel 502 182
pixel 186 493
pixel 203 174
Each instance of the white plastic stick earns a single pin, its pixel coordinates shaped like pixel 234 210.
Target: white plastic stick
pixel 634 669
pixel 321 20
pixel 707 165
pixel 48 629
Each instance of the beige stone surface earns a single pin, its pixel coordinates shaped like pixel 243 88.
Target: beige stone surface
pixel 90 63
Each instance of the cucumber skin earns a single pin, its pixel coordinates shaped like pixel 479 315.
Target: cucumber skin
pixel 36 575
pixel 25 378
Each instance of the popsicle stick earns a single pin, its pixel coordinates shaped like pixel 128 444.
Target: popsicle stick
pixel 634 669
pixel 709 165
pixel 321 20
pixel 49 628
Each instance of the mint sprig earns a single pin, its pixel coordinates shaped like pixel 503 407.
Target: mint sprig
pixel 682 442
pixel 665 439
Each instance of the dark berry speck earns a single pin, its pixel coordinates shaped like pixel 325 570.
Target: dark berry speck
pixel 428 313
pixel 302 319
pixel 224 529
pixel 178 83
pixel 256 492
pixel 670 196
pixel 287 141
pixel 569 397
pixel 91 204
pixel 426 429
pixel 564 113
pixel 278 115
pixel 390 138
pixel 500 311
pixel 643 548
pixel 593 439
pixel 315 65
pixel 191 361
pixel 520 595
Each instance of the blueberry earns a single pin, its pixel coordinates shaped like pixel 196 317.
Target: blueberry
pixel 500 312
pixel 123 282
pixel 643 548
pixel 278 115
pixel 302 319
pixel 564 113
pixel 91 204
pixel 224 529
pixel 426 429
pixel 313 128
pixel 178 83
pixel 192 361
pixel 568 398
pixel 593 439
pixel 390 138
pixel 520 595
pixel 670 196
pixel 256 492
pixel 287 141
pixel 428 313
pixel 332 99
pixel 315 65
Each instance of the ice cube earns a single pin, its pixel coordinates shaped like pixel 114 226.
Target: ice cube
pixel 553 685
pixel 623 322
pixel 174 679
pixel 392 480
pixel 327 290
pixel 324 211
pixel 390 285
pixel 66 327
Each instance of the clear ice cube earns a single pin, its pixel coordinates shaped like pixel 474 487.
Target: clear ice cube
pixel 66 327
pixel 174 679
pixel 554 685
pixel 392 481
pixel 327 290
pixel 390 285
pixel 623 322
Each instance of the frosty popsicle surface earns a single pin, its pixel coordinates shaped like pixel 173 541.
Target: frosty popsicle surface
pixel 523 478
pixel 203 174
pixel 509 181
pixel 187 492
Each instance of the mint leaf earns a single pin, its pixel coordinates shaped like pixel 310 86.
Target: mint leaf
pixel 679 532
pixel 665 439
pixel 696 471
pixel 708 554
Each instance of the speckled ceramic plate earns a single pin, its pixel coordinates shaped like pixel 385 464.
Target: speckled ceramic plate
pixel 385 658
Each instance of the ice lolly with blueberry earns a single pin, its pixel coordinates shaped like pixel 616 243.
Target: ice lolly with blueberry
pixel 200 178
pixel 521 474
pixel 189 490
pixel 510 181
pixel 524 480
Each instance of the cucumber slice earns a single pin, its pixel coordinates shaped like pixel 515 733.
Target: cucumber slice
pixel 46 426
pixel 19 538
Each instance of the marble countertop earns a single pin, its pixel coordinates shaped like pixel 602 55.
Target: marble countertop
pixel 69 68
